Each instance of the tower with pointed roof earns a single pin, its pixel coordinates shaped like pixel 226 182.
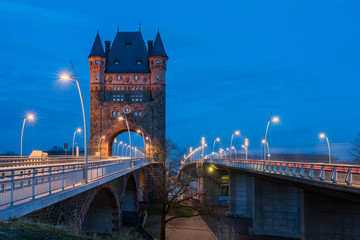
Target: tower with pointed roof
pixel 126 74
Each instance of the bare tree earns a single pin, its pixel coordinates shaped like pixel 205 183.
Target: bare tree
pixel 175 186
pixel 355 148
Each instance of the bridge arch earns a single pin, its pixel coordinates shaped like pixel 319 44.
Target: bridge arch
pixel 101 211
pixel 106 146
pixel 130 203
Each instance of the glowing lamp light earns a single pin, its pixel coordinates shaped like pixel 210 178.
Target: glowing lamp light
pixel 217 139
pixel 275 119
pixel 237 132
pixel 121 142
pixel 138 131
pixel 65 76
pixel 78 130
pixel 322 135
pixel 232 147
pixel 121 118
pixel 210 169
pixel 263 141
pixel 30 117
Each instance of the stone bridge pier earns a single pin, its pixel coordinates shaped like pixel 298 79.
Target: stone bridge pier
pixel 103 209
pixel 293 210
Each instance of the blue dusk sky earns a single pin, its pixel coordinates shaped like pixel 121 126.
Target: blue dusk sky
pixel 230 64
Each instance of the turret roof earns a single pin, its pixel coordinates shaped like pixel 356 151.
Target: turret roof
pixel 128 54
pixel 97 49
pixel 158 48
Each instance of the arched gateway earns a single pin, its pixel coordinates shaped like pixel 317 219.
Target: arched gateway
pixel 126 74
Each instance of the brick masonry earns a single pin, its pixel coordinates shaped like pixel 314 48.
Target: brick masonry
pixel 100 209
pixel 104 86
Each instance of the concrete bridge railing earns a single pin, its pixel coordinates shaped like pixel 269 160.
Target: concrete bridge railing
pixel 339 174
pixel 25 183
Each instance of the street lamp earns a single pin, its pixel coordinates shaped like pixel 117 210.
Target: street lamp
pixel 246 146
pixel 271 119
pixel 29 117
pixel 117 150
pixel 142 133
pixel 216 140
pixel 235 151
pixel 122 151
pixel 127 124
pixel 66 77
pixel 322 136
pixel 266 144
pixel 236 132
pixel 79 131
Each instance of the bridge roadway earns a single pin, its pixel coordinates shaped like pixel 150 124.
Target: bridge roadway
pixel 28 184
pixel 299 200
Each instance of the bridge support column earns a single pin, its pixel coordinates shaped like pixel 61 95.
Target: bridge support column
pixel 277 209
pixel 240 195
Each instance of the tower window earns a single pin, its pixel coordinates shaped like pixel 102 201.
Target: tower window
pixel 96 62
pixel 114 113
pixel 136 88
pixel 114 88
pixel 133 88
pixel 138 62
pixel 90 63
pixel 163 61
pixel 96 77
pixel 135 113
pixel 116 61
pixel 140 88
pixel 128 44
pixel 157 76
pixel 152 62
pixel 122 88
pixel 118 77
pixel 118 113
pixel 102 63
pixel 140 114
pixel 157 61
pixel 136 77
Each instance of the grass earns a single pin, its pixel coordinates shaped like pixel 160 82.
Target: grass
pixel 27 230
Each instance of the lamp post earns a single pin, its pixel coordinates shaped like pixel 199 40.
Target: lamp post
pixel 235 152
pixel 236 132
pixel 117 150
pixel 126 109
pixel 79 131
pixel 29 117
pixel 67 77
pixel 323 135
pixel 271 119
pixel 246 146
pixel 266 144
pixel 142 133
pixel 216 140
pixel 122 151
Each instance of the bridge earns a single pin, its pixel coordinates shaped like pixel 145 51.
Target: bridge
pixel 53 190
pixel 299 200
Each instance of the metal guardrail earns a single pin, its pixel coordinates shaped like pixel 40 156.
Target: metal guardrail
pixel 19 184
pixel 342 174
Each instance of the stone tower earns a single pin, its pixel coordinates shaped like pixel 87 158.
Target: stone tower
pixel 126 74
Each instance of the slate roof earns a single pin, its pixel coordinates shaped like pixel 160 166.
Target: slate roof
pixel 97 49
pixel 158 48
pixel 127 50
